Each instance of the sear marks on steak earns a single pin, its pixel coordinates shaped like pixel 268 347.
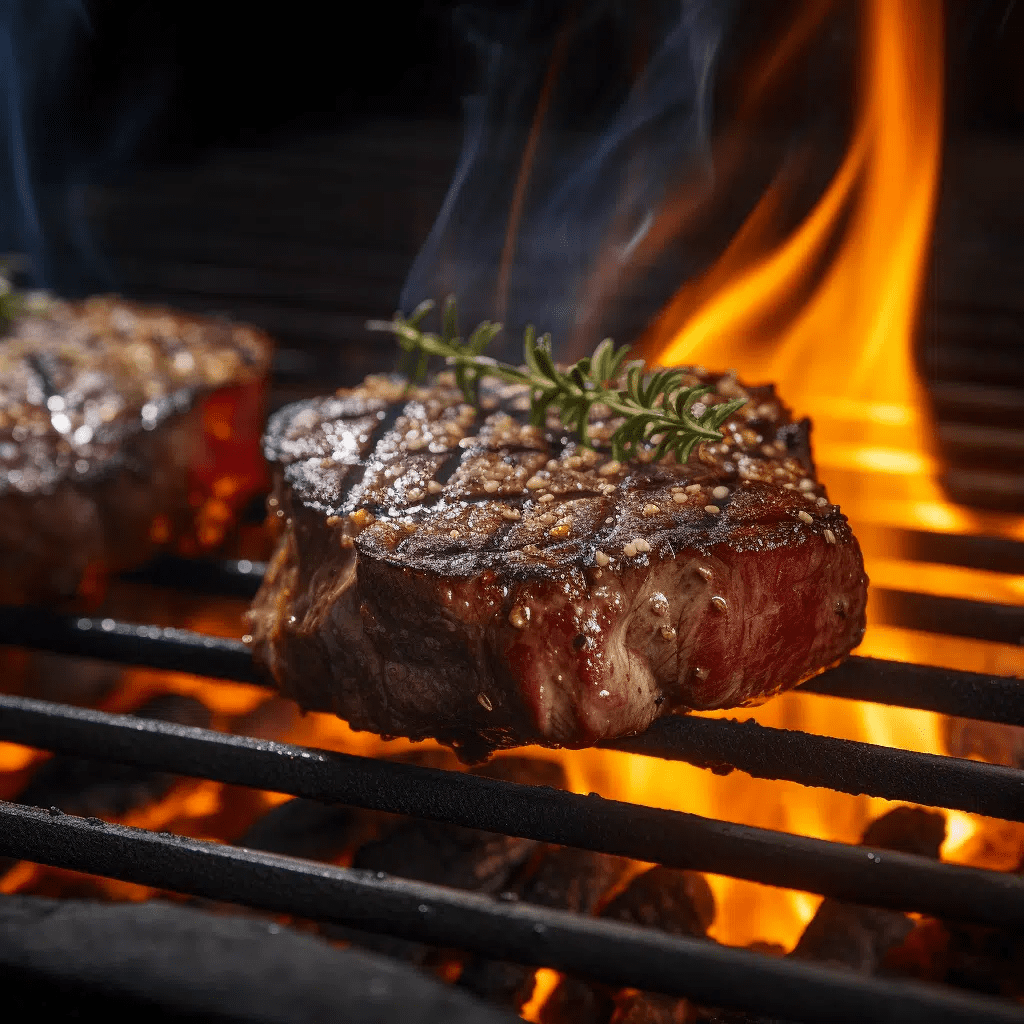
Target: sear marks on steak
pixel 448 573
pixel 122 428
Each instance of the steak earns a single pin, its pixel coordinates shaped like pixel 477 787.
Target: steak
pixel 123 428
pixel 458 574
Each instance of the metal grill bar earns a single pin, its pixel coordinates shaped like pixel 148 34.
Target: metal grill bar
pixel 853 873
pixel 844 766
pixel 947 691
pixel 164 648
pixel 224 577
pixel 971 551
pixel 952 616
pixel 604 951
pixel 967 694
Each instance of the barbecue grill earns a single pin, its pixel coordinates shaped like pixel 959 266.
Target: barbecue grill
pixel 613 953
pixel 268 236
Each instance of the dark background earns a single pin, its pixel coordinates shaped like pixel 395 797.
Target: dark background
pixel 256 81
pixel 285 168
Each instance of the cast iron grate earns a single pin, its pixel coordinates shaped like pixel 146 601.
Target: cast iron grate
pixel 606 951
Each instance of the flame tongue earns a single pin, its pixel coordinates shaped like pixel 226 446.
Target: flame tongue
pixel 847 354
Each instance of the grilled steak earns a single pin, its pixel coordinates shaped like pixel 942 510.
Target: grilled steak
pixel 458 574
pixel 122 428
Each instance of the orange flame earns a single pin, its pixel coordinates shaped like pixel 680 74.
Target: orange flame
pixel 829 315
pixel 846 355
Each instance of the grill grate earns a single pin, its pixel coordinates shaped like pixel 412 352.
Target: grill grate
pixel 601 950
pixel 987 698
pixel 853 873
pixel 810 760
pixel 609 952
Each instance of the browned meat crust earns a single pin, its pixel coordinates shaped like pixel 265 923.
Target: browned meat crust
pixel 448 573
pixel 122 428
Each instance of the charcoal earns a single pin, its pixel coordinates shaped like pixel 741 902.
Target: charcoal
pixel 576 1002
pixel 849 935
pixel 463 858
pixel 678 902
pixel 986 960
pixel 561 877
pixel 69 680
pixel 306 828
pixel 498 981
pixel 923 954
pixel 647 1008
pixel 70 959
pixel 908 830
pixel 571 879
pixel 443 854
pixel 95 788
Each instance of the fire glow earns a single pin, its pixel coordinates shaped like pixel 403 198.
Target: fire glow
pixel 845 357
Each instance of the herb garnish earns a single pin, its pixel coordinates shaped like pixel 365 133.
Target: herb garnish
pixel 655 407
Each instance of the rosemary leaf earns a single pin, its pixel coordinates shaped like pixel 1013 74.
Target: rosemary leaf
pixel 651 405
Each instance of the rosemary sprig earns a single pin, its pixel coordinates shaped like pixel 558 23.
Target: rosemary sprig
pixel 652 405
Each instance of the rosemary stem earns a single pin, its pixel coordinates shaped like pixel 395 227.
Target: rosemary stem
pixel 655 408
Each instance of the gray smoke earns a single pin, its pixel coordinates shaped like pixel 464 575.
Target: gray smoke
pixel 55 144
pixel 35 39
pixel 618 96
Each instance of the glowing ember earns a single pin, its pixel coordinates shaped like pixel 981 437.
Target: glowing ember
pixel 545 983
pixel 844 357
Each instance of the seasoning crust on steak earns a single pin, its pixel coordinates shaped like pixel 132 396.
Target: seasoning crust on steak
pixel 453 573
pixel 122 428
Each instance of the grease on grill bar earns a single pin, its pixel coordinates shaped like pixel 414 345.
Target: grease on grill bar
pixel 671 838
pixel 811 760
pixel 603 950
pixel 987 698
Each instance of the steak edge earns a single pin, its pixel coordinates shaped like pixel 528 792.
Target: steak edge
pixel 452 573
